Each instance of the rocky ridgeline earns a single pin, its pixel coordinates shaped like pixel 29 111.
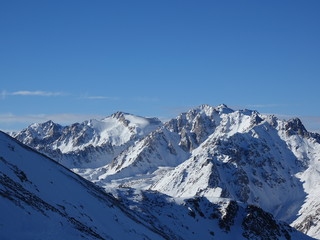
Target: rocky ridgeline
pixel 211 152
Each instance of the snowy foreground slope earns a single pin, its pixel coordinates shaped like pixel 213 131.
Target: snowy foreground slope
pixel 216 152
pixel 41 199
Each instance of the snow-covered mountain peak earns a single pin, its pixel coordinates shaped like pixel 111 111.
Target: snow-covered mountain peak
pixel 96 142
pixel 134 121
pixel 44 126
pixel 39 131
pixel 295 126
pixel 222 108
pixel 209 110
pixel 173 143
pixel 205 108
pixel 119 114
pixel 47 123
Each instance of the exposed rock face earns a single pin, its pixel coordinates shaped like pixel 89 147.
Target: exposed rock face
pixel 261 225
pixel 203 219
pixel 228 218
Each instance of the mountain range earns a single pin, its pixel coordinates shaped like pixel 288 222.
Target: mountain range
pixel 203 175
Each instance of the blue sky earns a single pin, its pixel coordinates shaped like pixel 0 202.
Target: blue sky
pixel 73 60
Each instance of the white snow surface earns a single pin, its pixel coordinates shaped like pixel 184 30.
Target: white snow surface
pixel 43 200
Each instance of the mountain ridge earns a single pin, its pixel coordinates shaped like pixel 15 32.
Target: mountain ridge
pixel 218 152
pixel 90 143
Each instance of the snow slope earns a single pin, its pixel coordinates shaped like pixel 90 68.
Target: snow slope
pixel 41 199
pixel 199 218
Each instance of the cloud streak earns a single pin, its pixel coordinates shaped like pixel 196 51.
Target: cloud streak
pixel 100 98
pixel 4 93
pixel 146 99
pixel 258 106
pixel 37 93
pixel 64 118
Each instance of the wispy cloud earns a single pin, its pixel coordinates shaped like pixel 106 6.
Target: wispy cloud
pixel 37 93
pixel 100 98
pixel 4 93
pixel 176 110
pixel 146 99
pixel 64 118
pixel 271 105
